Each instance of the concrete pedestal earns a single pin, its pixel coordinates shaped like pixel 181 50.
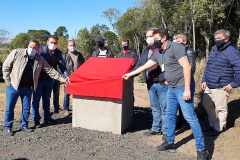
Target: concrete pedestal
pixel 104 114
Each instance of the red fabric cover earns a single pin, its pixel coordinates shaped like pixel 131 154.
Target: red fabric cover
pixel 100 77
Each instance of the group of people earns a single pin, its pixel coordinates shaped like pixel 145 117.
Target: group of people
pixel 39 71
pixel 168 68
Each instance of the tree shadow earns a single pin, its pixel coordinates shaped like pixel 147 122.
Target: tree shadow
pixel 233 113
pixel 142 119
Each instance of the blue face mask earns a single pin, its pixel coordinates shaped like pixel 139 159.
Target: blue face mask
pixel 31 52
pixel 124 47
pixel 220 43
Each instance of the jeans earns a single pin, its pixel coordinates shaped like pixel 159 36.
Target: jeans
pixel 11 99
pixel 44 90
pixel 158 100
pixel 66 99
pixel 56 88
pixel 174 99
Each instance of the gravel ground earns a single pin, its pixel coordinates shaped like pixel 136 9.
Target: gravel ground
pixel 61 141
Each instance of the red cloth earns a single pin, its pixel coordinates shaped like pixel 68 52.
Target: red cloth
pixel 100 77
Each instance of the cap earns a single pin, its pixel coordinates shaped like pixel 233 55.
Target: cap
pixel 99 39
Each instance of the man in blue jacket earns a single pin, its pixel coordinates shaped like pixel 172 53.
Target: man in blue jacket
pixel 222 73
pixel 157 90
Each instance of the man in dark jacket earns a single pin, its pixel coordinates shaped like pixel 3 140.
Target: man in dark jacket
pixel 73 60
pixel 157 90
pixel 222 73
pixel 45 84
pixel 126 52
pixel 102 51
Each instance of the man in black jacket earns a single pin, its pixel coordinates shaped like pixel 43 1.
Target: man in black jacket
pixel 126 52
pixel 45 84
pixel 73 60
pixel 102 51
pixel 157 90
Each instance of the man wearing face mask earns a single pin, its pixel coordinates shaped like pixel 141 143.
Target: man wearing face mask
pixel 45 85
pixel 173 59
pixel 126 52
pixel 73 60
pixel 102 51
pixel 21 71
pixel 157 90
pixel 222 73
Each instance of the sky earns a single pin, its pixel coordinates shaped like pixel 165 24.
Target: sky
pixel 19 16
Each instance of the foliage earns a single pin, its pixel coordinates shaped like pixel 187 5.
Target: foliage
pixel 62 44
pixel 61 32
pixel 40 35
pixel 3 33
pixel 20 41
pixel 112 42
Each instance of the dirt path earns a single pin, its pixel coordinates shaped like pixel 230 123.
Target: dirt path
pixel 61 141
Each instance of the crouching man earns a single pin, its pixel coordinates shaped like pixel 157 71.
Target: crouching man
pixel 21 71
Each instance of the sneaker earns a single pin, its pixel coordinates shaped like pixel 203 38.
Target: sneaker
pixel 213 133
pixel 150 133
pixel 164 137
pixel 166 146
pixel 37 124
pixel 203 155
pixel 66 113
pixel 25 128
pixel 9 132
pixel 49 120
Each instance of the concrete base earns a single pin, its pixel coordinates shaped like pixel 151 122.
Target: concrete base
pixel 104 114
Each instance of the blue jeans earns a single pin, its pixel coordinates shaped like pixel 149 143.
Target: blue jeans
pixel 66 99
pixel 174 99
pixel 158 100
pixel 56 88
pixel 11 99
pixel 44 90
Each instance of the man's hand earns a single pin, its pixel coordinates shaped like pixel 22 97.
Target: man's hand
pixel 8 83
pixel 166 83
pixel 204 85
pixel 126 76
pixel 228 87
pixel 186 95
pixel 66 81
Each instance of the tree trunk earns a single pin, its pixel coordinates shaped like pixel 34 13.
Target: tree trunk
pixel 194 34
pixel 206 38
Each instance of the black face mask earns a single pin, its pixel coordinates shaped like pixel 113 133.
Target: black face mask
pixel 100 45
pixel 158 43
pixel 220 43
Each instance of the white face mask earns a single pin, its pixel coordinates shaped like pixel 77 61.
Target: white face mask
pixel 150 40
pixel 31 52
pixel 174 40
pixel 52 46
pixel 71 48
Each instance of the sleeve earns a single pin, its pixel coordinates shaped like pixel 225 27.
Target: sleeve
pixel 7 66
pixel 235 62
pixel 154 57
pixel 141 61
pixel 111 54
pixel 192 59
pixel 51 71
pixel 179 51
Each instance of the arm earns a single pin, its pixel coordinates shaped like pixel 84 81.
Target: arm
pixel 187 77
pixel 147 65
pixel 62 66
pixel 7 67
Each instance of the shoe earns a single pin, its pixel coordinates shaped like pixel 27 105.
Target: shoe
pixel 49 120
pixel 58 111
pixel 25 128
pixel 150 133
pixel 37 124
pixel 208 129
pixel 66 113
pixel 166 146
pixel 212 133
pixel 9 132
pixel 164 137
pixel 203 155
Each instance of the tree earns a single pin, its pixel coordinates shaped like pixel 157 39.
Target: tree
pixel 112 15
pixel 84 43
pixel 40 35
pixel 3 33
pixel 61 32
pixel 20 41
pixel 112 42
pixel 62 44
